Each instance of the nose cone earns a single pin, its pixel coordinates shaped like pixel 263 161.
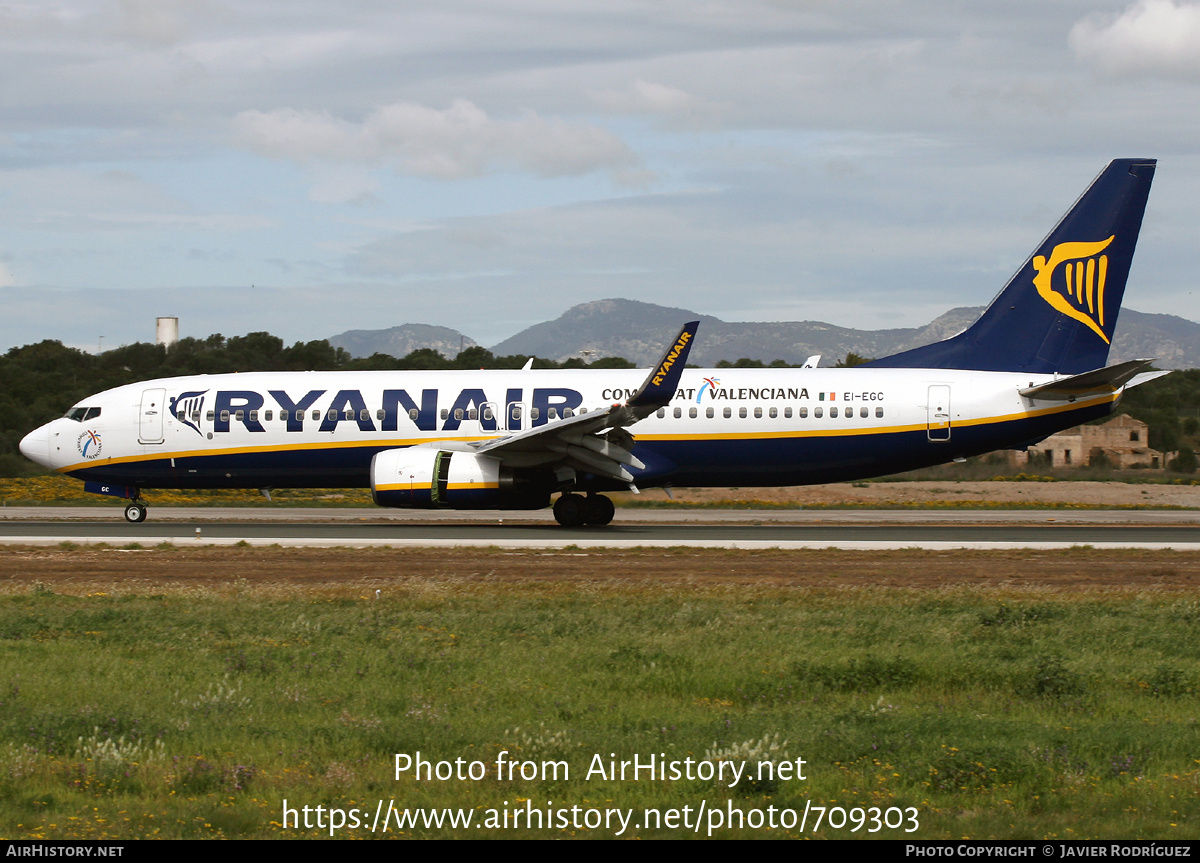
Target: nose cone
pixel 35 446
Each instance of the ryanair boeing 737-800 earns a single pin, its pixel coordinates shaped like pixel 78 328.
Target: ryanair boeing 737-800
pixel 1031 365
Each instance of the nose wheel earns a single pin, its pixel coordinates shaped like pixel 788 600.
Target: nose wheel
pixel 135 513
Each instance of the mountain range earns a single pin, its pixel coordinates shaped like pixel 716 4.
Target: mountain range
pixel 638 331
pixel 402 340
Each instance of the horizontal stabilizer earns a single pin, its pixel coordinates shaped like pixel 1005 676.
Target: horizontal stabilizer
pixel 1146 377
pixel 1100 382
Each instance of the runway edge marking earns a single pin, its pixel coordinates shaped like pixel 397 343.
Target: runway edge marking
pixel 582 542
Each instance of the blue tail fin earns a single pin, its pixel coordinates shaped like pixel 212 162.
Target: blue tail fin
pixel 1058 312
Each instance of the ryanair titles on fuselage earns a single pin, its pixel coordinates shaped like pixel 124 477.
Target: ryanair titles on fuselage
pixel 428 411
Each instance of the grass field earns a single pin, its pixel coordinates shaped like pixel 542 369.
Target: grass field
pixel 194 711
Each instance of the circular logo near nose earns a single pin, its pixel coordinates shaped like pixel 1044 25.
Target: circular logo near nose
pixel 88 444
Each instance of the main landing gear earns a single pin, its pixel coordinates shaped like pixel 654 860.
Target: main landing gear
pixel 135 512
pixel 574 510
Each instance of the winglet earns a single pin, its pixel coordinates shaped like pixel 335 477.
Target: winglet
pixel 659 388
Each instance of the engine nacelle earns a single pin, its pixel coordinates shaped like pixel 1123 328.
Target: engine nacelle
pixel 427 478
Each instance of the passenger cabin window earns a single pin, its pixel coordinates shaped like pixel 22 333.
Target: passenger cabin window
pixel 413 414
pixel 209 416
pixel 787 413
pixel 552 413
pixel 741 413
pixel 832 412
pixel 773 413
pixel 692 413
pixel 445 413
pixel 678 413
pixel 864 412
pixel 534 413
pixel 224 416
pixel 364 415
pixel 708 413
pixel 331 414
pixel 487 413
pixel 803 413
pixel 268 415
pixel 473 414
pixel 818 412
pixel 379 414
pixel 758 413
pixel 240 416
pixel 458 413
pixel 316 414
pixel 662 412
pixel 727 413
pixel 878 412
pixel 195 416
pixel 567 412
pixel 284 414
pixel 348 414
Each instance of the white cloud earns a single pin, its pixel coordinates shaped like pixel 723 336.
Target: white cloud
pixel 6 276
pixel 1150 37
pixel 648 97
pixel 460 141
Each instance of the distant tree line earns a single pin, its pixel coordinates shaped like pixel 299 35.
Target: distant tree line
pixel 1171 407
pixel 39 382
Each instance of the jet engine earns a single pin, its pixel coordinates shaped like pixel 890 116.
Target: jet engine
pixel 428 478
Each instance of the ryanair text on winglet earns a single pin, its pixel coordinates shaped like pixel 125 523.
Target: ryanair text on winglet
pixel 684 338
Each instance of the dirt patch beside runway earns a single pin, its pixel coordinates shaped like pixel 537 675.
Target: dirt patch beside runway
pixel 1053 494
pixel 348 571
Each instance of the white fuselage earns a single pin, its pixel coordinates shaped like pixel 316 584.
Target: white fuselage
pixel 724 427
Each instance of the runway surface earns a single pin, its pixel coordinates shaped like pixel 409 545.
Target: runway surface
pixel 745 529
pixel 632 515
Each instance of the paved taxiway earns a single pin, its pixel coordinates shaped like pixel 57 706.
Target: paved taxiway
pixel 747 529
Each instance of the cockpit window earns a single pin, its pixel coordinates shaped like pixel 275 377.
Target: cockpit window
pixel 81 414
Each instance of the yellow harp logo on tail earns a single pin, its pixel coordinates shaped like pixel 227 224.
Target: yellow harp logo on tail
pixel 1079 291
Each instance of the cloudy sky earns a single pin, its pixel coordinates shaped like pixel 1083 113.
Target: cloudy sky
pixel 309 167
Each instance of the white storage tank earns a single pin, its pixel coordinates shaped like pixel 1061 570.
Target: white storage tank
pixel 166 332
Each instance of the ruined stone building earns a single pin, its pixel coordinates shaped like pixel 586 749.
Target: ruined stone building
pixel 1122 440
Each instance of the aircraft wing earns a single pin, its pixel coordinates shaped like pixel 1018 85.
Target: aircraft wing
pixel 1099 382
pixel 596 442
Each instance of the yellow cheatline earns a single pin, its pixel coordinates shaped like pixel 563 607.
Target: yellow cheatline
pixel 820 432
pixel 454 486
pixel 197 453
